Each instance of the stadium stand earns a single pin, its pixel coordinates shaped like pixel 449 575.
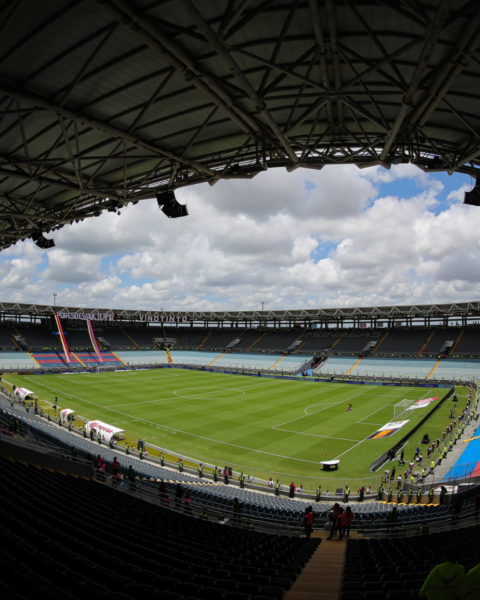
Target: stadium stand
pixel 248 338
pixel 276 341
pixel 468 344
pixel 390 367
pixel 404 342
pixel 39 338
pixel 189 338
pixel 458 369
pixel 320 340
pixel 397 568
pixel 140 357
pixel 441 337
pixel 357 341
pixel 16 360
pixel 115 543
pixel 116 337
pixel 6 341
pixel 142 337
pixel 219 339
pixel 336 364
pixel 77 339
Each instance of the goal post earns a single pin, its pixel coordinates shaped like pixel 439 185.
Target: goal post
pixel 402 408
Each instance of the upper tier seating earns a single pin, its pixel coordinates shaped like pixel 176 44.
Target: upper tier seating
pixel 40 338
pixel 469 343
pixel 404 341
pixel 6 342
pixel 116 337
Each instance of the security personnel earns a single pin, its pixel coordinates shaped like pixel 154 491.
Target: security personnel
pixel 200 470
pixel 277 488
pixel 390 494
pixel 440 458
pixel 456 438
pixel 451 446
pixel 318 494
pixel 241 479
pixel 59 421
pixel 69 426
pixel 180 465
pixel 380 491
pixel 445 450
pixel 409 496
pixel 424 473
pixel 140 451
pixel 127 448
pixel 162 459
pixel 412 479
pixel 399 496
pixel 419 495
pixel 432 465
pixel 91 434
pixel 215 474
pixel 99 438
pixel 346 494
pixel 110 443
pixel 431 491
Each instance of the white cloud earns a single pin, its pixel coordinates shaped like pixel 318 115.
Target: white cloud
pixel 307 238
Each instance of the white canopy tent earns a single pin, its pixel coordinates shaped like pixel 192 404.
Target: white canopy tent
pixel 106 431
pixel 67 414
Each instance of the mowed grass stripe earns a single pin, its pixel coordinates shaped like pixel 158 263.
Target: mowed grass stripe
pixel 217 418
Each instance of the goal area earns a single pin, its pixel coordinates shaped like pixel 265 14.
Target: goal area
pixel 403 408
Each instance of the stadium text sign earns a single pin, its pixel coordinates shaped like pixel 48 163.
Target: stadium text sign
pixel 164 319
pixel 86 316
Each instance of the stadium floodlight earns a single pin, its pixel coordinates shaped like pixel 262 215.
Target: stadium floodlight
pixel 41 241
pixel 473 197
pixel 168 204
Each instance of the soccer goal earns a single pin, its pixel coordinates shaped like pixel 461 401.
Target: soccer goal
pixel 403 408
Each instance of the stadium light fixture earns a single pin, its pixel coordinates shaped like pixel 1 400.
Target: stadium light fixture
pixel 473 197
pixel 42 242
pixel 168 204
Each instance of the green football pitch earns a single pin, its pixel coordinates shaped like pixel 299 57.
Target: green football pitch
pixel 260 425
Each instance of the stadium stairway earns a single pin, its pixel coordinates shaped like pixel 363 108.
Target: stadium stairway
pixel 321 578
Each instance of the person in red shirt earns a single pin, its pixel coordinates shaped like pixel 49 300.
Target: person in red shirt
pixel 337 510
pixel 308 520
pixel 346 519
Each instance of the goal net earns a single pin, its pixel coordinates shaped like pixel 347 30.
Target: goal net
pixel 403 408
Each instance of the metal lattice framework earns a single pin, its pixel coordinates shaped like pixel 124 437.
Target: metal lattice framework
pixel 102 101
pixel 459 310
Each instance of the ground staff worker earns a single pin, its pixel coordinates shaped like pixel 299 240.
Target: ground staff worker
pixel 277 488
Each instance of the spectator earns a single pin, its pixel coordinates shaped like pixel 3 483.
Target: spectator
pixel 346 519
pixel 472 581
pixel 308 520
pixel 445 581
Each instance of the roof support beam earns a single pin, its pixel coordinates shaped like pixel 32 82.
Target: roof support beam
pixel 222 51
pixel 432 37
pixel 78 116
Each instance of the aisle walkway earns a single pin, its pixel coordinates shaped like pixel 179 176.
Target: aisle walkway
pixel 321 578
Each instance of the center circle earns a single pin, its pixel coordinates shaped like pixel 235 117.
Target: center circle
pixel 210 393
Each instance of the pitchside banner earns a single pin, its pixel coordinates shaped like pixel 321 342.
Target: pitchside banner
pixel 423 403
pixel 387 430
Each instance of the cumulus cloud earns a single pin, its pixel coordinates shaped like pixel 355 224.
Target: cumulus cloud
pixel 336 237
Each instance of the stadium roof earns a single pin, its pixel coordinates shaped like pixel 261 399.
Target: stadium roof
pixel 433 311
pixel 103 101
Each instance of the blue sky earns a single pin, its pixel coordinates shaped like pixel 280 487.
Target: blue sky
pixel 336 237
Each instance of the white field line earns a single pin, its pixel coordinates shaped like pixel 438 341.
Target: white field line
pixel 329 437
pixel 429 391
pixel 312 462
pixel 316 412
